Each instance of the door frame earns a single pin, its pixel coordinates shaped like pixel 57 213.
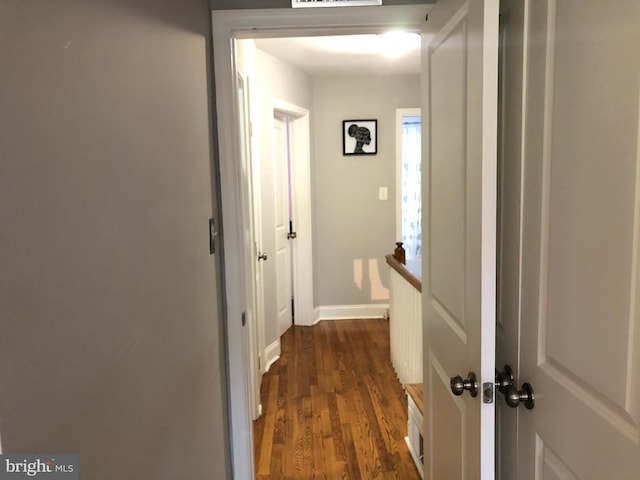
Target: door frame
pixel 302 247
pixel 512 93
pixel 228 25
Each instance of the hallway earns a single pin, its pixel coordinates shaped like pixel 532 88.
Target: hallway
pixel 333 407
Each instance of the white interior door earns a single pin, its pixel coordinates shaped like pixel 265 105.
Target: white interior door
pixel 252 269
pixel 459 265
pixel 282 210
pixel 580 327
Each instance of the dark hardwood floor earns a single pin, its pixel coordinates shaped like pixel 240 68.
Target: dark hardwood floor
pixel 333 407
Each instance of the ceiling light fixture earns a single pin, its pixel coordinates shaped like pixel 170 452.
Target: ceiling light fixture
pixel 396 43
pixel 391 44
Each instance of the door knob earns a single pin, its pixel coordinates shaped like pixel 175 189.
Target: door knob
pixel 515 397
pixel 458 385
pixel 262 256
pixel 504 379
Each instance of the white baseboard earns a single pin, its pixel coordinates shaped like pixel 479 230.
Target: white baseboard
pixel 350 312
pixel 271 353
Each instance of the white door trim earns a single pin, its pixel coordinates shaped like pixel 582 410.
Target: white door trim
pixel 228 25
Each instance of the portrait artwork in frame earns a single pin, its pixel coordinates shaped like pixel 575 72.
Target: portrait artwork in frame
pixel 333 3
pixel 359 137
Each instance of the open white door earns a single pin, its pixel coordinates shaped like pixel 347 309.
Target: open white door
pixel 580 336
pixel 459 62
pixel 252 272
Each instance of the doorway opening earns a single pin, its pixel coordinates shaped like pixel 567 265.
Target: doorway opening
pixel 284 233
pixel 278 172
pixel 228 27
pixel 291 234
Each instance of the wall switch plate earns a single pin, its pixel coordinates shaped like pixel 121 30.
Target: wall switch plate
pixel 383 193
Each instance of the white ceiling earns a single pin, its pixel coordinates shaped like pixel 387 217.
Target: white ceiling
pixel 343 54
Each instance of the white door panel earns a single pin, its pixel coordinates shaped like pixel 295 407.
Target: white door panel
pixel 459 184
pixel 449 424
pixel 447 200
pixel 283 249
pixel 580 333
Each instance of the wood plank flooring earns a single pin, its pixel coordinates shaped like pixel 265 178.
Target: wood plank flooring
pixel 333 407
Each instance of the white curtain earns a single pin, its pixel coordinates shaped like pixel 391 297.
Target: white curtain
pixel 411 187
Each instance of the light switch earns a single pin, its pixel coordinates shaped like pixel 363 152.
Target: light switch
pixel 383 193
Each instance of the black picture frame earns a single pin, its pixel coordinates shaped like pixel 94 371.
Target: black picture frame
pixel 360 137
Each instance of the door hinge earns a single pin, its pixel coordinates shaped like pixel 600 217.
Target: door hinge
pixel 244 318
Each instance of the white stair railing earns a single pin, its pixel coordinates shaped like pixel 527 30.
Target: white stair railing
pixel 405 329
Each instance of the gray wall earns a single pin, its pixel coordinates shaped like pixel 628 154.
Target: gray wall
pixel 350 223
pixel 249 4
pixel 110 343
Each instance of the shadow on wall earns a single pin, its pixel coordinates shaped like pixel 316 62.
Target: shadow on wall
pixel 377 290
pixel 166 13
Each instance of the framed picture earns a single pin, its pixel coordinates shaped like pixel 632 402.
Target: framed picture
pixel 333 3
pixel 359 137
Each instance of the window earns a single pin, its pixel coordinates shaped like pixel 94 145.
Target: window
pixel 409 209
